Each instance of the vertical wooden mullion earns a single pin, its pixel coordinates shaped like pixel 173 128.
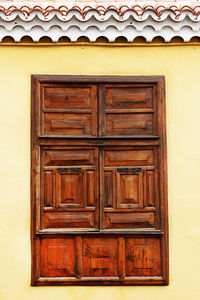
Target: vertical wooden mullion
pixel 101 96
pixel 78 256
pixel 42 189
pixel 144 188
pixel 101 189
pixel 57 190
pixel 163 176
pixel 84 187
pixel 38 187
pixel 36 259
pixel 156 197
pixel 97 191
pixel 117 189
pixel 113 189
pixel 94 113
pixel 121 257
pixel 156 115
pixel 141 196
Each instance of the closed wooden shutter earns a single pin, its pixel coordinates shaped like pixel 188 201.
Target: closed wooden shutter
pixel 99 181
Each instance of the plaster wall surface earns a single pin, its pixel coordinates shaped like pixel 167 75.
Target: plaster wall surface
pixel 180 65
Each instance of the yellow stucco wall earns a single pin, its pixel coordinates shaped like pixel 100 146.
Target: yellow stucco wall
pixel 181 66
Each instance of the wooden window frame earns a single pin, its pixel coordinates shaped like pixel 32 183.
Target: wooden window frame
pixel 38 140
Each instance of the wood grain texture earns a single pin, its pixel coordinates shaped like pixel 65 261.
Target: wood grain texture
pixel 68 110
pixel 127 110
pixel 100 259
pixel 66 96
pixel 128 157
pixel 73 185
pixel 134 182
pixel 98 180
pixel 128 97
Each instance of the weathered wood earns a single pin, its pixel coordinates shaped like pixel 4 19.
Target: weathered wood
pixel 98 180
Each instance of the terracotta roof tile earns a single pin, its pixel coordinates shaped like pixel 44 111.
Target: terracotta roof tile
pixel 121 7
pixel 93 19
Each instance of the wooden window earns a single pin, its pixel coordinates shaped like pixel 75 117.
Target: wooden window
pixel 99 181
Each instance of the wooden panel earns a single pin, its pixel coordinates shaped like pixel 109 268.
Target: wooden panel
pixel 124 96
pixel 132 188
pixel 69 157
pixel 143 257
pixel 87 258
pixel 91 188
pixel 48 189
pixel 127 110
pixel 71 219
pixel 129 189
pixel 129 124
pixel 67 124
pixel 69 188
pixel 121 257
pixel 109 188
pixel 128 220
pixel 99 257
pixel 79 256
pixel 57 258
pixel 151 188
pixel 75 188
pixel 68 110
pixel 67 97
pixel 125 157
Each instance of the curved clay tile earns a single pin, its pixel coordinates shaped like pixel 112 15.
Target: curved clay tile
pixel 110 19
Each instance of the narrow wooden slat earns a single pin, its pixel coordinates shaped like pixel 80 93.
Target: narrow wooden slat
pixel 129 111
pixel 85 231
pixel 78 255
pixel 48 189
pixel 38 187
pixel 46 78
pixel 71 111
pixel 94 114
pixel 121 257
pixel 101 95
pixel 101 190
pixel 69 209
